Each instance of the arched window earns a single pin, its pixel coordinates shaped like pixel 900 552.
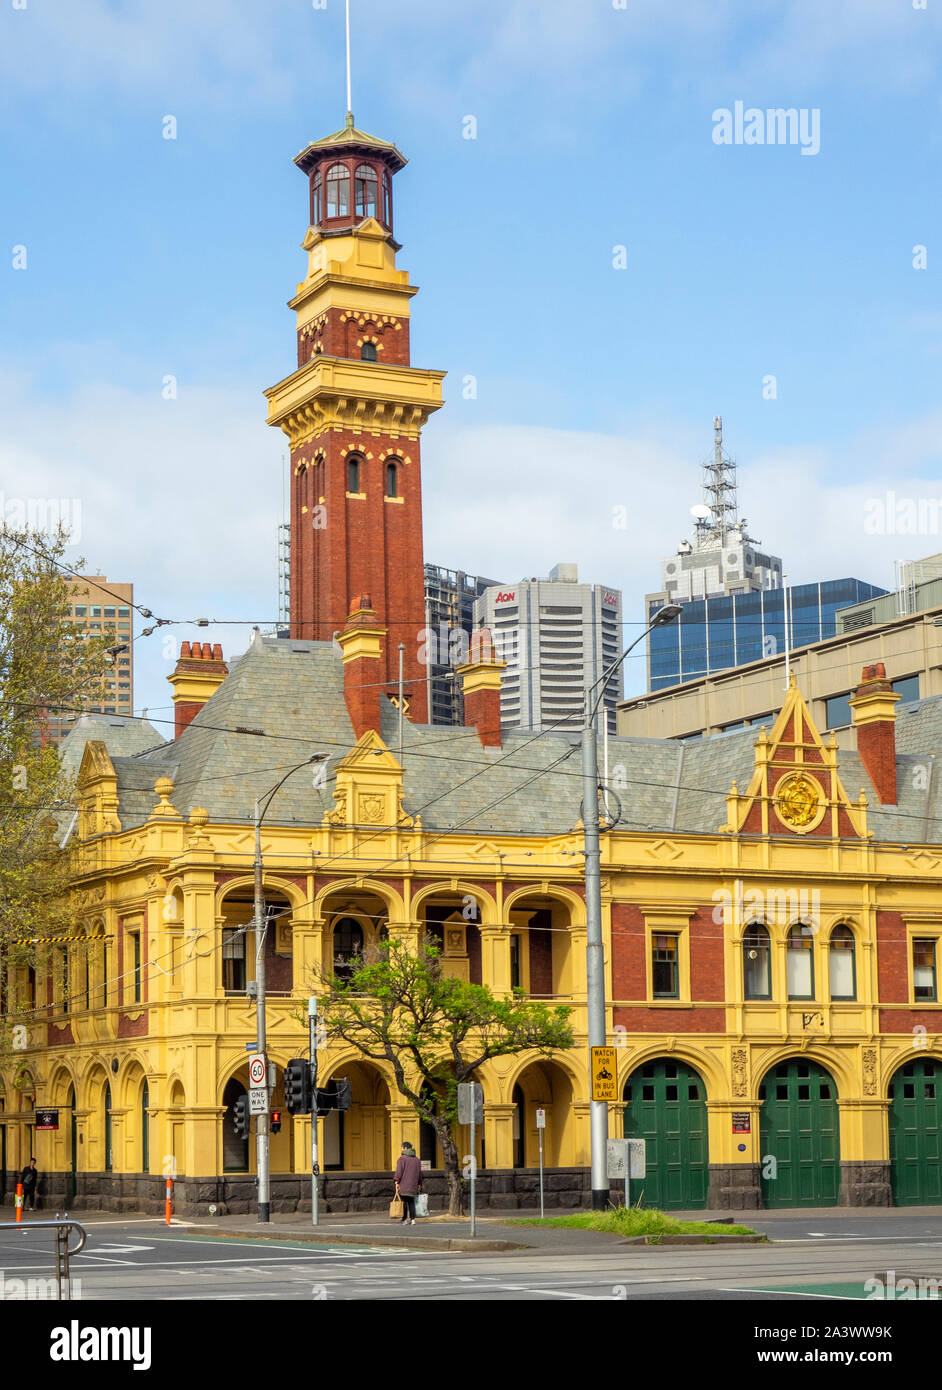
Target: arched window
pixel 387 201
pixel 368 352
pixel 756 956
pixel 316 190
pixel 348 945
pixel 338 191
pixel 353 474
pixel 392 479
pixel 366 191
pixel 799 960
pixel 842 966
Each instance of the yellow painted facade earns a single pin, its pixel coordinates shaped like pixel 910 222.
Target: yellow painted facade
pixel 171 888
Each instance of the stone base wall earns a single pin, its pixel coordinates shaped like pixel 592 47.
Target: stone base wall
pixel 866 1185
pixel 734 1187
pixel 235 1193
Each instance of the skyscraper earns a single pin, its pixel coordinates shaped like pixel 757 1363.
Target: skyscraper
pixel 734 606
pixel 449 609
pixel 102 608
pixel 557 637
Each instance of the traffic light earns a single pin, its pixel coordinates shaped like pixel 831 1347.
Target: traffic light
pixel 240 1116
pixel 298 1087
pixel 276 1122
pixel 334 1096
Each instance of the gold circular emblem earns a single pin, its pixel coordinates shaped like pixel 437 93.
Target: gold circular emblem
pixel 797 800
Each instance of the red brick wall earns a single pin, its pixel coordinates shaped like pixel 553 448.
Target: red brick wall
pixel 473 938
pixel 892 961
pixel 279 970
pixel 482 712
pixel 876 745
pixel 700 1020
pixel 364 546
pixel 541 958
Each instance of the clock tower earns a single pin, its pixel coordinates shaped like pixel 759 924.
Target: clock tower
pixel 353 412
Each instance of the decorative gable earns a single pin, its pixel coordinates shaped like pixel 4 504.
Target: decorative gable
pixel 97 788
pixel 795 788
pixel 369 788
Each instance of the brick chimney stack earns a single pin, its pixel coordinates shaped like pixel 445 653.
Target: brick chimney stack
pixel 480 680
pixel 874 715
pixel 361 641
pixel 199 672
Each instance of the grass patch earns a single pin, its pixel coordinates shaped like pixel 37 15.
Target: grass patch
pixel 634 1221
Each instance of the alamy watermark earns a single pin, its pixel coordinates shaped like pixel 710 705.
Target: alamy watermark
pixel 43 514
pixel 753 125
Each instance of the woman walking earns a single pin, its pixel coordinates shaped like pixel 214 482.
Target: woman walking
pixel 408 1180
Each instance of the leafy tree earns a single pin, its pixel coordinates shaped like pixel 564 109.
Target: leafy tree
pixel 47 666
pixel 434 1031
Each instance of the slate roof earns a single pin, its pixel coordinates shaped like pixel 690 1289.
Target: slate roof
pixel 293 691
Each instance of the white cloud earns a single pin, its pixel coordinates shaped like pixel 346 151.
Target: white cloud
pixel 183 498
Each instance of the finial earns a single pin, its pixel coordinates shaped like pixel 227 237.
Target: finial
pixel 349 101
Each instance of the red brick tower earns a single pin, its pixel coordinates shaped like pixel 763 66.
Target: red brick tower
pixel 354 410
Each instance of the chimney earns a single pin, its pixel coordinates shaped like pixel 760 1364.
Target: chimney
pixel 480 681
pixel 361 642
pixel 874 714
pixel 199 672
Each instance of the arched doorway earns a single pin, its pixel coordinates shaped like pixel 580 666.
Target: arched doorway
pixel 544 1086
pixel 235 1151
pixel 799 1136
pixel 665 1105
pixel 73 1146
pixel 109 1139
pixel 915 1098
pixel 357 1140
pixel 145 1127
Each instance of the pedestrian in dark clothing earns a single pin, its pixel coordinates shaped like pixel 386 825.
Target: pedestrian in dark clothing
pixel 29 1178
pixel 408 1180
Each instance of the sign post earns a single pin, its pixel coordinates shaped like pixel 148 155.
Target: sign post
pixel 540 1126
pixel 471 1112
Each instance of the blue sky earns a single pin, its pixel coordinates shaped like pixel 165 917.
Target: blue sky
pixel 596 387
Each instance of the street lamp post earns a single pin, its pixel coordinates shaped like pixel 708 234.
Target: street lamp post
pixel 263 1135
pixel 595 955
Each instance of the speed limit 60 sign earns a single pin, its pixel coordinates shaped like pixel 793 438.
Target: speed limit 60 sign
pixel 258 1072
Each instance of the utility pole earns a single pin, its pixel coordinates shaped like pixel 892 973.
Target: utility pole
pixel 594 951
pixel 262 1136
pixel 262 1131
pixel 312 1039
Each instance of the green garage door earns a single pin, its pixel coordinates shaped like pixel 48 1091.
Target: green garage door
pixel 665 1104
pixel 915 1166
pixel 799 1134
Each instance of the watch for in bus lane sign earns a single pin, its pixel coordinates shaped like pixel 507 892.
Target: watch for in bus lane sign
pixel 604 1084
pixel 257 1070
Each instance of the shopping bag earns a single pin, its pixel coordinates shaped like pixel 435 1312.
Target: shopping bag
pixel 395 1208
pixel 421 1204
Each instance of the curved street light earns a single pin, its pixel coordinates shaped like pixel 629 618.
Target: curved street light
pixel 263 1136
pixel 595 956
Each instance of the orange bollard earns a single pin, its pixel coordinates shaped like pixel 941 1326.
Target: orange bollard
pixel 168 1205
pixel 18 1202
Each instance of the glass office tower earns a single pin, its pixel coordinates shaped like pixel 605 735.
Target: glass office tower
pixel 713 634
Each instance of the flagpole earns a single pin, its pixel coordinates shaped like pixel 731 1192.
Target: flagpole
pixel 349 100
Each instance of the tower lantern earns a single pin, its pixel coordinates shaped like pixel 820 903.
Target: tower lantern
pixel 350 177
pixel 353 412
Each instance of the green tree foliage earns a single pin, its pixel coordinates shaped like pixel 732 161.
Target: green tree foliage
pixel 47 666
pixel 435 1032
